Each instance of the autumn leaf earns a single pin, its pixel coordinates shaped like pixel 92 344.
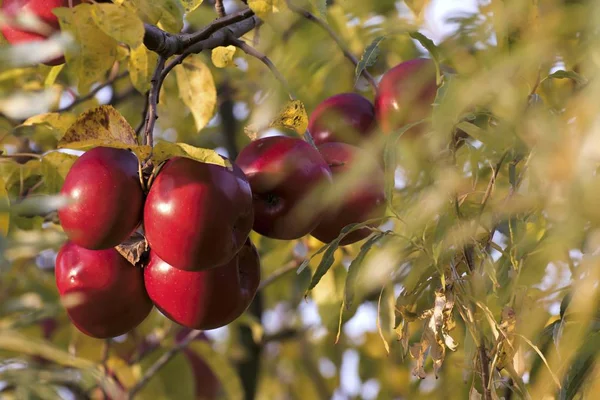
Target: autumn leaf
pixel 197 89
pixel 293 116
pixel 264 8
pixel 222 56
pixel 141 67
pixel 4 204
pixel 165 150
pixel 119 23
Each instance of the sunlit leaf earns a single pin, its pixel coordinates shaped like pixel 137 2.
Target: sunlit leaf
pixel 164 150
pixel 222 56
pixel 197 89
pixel 119 23
pixel 96 51
pixel 191 5
pixel 321 6
pixel 59 123
pixel 102 126
pixel 264 8
pixel 417 7
pixel 55 166
pixel 141 67
pixel 292 116
pixel 167 13
pixel 385 315
pixel 4 203
pixel 431 48
pixel 354 269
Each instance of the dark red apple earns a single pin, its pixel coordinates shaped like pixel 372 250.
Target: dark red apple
pixel 283 173
pixel 207 384
pixel 107 198
pixel 345 117
pixel 198 215
pixel 405 94
pixel 205 299
pixel 364 200
pixel 109 292
pixel 42 9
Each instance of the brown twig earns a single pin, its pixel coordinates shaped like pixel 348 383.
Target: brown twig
pixel 485 370
pixel 105 355
pixel 311 17
pixel 151 115
pixel 219 8
pixel 93 92
pixel 286 269
pixel 161 362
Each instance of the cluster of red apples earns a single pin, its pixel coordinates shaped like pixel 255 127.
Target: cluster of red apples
pixel 202 271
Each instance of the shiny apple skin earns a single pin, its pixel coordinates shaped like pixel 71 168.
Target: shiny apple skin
pixel 107 197
pixel 205 299
pixel 43 10
pixel 345 117
pixel 366 200
pixel 113 297
pixel 283 172
pixel 198 216
pixel 405 94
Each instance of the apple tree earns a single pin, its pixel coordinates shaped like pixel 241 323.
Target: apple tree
pixel 255 199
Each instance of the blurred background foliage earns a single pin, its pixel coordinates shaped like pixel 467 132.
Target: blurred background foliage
pixel 490 253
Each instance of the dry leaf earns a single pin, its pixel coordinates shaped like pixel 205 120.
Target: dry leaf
pixel 293 116
pixel 134 248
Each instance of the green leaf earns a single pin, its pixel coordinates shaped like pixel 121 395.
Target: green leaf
pixel 164 150
pixel 58 123
pixel 369 56
pixel 4 203
pixel 191 5
pixel 175 380
pixel 574 76
pixel 389 159
pixel 197 89
pixel 321 6
pixel 385 315
pixel 168 14
pixel 96 51
pixel 102 126
pixel 119 23
pixel 355 266
pixel 141 67
pixel 221 367
pixel 581 368
pixel 431 48
pixel 55 166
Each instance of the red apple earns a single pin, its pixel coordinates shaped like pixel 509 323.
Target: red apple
pixel 345 117
pixel 198 215
pixel 405 94
pixel 42 9
pixel 107 198
pixel 109 292
pixel 284 173
pixel 365 200
pixel 205 299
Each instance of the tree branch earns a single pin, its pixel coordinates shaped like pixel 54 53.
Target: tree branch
pixel 151 115
pixel 93 92
pixel 161 362
pixel 219 8
pixel 311 17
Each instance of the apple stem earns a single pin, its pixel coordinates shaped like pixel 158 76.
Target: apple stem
pixel 323 24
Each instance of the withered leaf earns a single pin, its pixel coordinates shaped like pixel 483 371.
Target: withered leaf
pixel 134 248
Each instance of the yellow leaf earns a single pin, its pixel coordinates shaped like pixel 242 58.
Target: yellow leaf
pixel 264 8
pixel 4 204
pixel 96 51
pixel 123 371
pixel 417 7
pixel 141 66
pixel 55 166
pixel 58 122
pixel 102 126
pixel 52 75
pixel 164 150
pixel 292 116
pixel 197 89
pixel 223 56
pixel 119 23
pixel 191 5
pixel 167 13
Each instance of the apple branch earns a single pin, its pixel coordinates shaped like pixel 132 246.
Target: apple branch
pixel 161 362
pixel 219 8
pixel 311 17
pixel 151 114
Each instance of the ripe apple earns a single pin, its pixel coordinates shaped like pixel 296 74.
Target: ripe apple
pixel 345 117
pixel 109 292
pixel 198 215
pixel 365 199
pixel 42 9
pixel 405 94
pixel 206 299
pixel 107 198
pixel 284 173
